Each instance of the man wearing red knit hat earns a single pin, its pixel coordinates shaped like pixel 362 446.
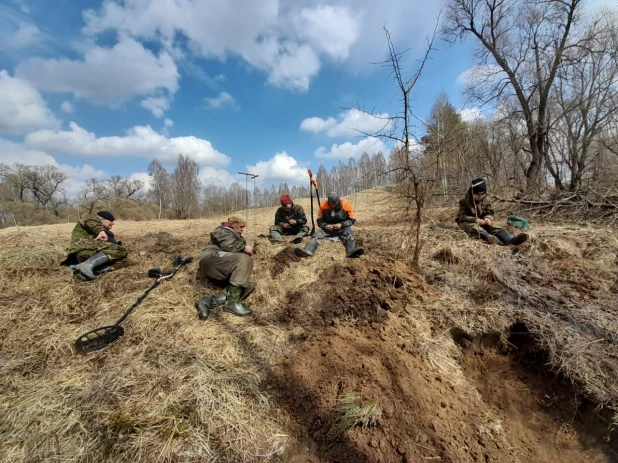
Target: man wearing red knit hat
pixel 290 219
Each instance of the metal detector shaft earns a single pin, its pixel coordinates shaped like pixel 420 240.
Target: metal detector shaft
pixel 100 337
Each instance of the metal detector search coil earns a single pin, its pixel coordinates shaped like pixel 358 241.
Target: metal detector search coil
pixel 104 336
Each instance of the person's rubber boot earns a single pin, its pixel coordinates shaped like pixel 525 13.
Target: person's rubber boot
pixel 86 268
pixel 275 237
pixel 104 269
pixel 298 238
pixel 233 304
pixel 519 239
pixel 505 237
pixel 203 308
pixel 217 299
pixel 489 239
pixel 352 251
pixel 308 250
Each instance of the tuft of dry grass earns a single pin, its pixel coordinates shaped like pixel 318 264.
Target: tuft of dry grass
pixel 351 414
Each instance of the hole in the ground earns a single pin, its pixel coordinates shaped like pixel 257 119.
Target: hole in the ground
pixel 534 409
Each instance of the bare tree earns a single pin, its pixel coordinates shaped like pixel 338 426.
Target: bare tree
pixel 94 193
pixel 186 187
pixel 38 184
pixel 160 189
pixel 586 93
pixel 521 47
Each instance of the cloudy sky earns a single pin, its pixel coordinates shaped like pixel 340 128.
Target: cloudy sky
pixel 100 88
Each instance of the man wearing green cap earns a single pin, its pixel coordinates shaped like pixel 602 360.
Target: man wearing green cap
pixel 94 249
pixel 476 217
pixel 227 260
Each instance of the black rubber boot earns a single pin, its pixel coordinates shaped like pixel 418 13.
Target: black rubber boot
pixel 86 268
pixel 489 239
pixel 308 250
pixel 298 238
pixel 519 239
pixel 276 237
pixel 203 308
pixel 352 251
pixel 218 299
pixel 505 237
pixel 233 304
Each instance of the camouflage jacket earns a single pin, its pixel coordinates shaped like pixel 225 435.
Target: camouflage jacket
pixel 283 216
pixel 469 210
pixel 224 238
pixel 87 229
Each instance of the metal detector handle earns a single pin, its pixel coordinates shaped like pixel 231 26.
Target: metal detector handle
pixel 314 182
pixel 179 262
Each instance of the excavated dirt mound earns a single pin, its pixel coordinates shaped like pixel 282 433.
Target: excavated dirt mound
pixel 504 410
pixel 283 260
pixel 357 293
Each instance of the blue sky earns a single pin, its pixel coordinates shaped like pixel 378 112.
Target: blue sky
pixel 99 88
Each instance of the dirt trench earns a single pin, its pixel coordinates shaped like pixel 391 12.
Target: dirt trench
pixel 502 406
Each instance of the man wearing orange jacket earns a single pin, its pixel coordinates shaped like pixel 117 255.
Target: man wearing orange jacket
pixel 335 219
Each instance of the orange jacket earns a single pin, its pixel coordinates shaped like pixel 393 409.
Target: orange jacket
pixel 342 213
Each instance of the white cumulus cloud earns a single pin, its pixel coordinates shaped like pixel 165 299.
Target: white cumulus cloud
pixel 22 108
pixel 67 107
pixel 285 39
pixel 350 123
pixel 105 75
pixel 280 168
pixel 218 177
pixel 224 99
pixel 139 141
pixel 26 35
pixel 156 105
pixel 345 151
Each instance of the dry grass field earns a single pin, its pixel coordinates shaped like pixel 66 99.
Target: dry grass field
pixel 489 354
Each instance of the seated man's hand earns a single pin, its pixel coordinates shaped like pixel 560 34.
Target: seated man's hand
pixel 488 222
pixel 337 226
pixel 102 236
pixel 328 227
pixel 286 225
pixel 292 221
pixel 480 222
pixel 249 249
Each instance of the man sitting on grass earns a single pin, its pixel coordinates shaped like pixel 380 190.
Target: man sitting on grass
pixel 476 217
pixel 94 248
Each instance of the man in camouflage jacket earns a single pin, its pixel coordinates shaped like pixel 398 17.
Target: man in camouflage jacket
pixel 227 260
pixel 290 219
pixel 476 217
pixel 94 248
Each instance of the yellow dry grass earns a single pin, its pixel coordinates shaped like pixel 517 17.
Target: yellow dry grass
pixel 178 389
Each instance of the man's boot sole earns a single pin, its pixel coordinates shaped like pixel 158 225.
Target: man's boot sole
pixel 301 253
pixel 297 240
pixel 238 314
pixel 357 253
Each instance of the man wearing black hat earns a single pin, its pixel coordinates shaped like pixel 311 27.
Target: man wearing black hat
pixel 476 217
pixel 335 219
pixel 94 249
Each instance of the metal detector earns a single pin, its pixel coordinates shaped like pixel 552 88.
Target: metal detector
pixel 100 337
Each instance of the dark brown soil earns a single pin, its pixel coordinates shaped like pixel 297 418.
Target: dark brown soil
pixel 356 340
pixel 358 293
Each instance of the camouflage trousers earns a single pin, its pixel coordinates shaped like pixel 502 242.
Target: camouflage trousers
pixel 475 229
pixel 82 250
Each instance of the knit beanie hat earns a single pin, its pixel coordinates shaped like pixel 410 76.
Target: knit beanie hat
pixel 285 199
pixel 478 186
pixel 237 218
pixel 333 198
pixel 106 215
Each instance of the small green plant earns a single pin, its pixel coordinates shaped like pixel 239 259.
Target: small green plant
pixel 352 414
